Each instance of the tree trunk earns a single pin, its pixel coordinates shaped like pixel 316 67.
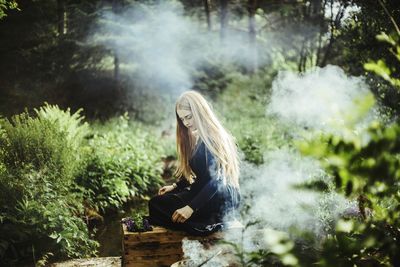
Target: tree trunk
pixel 302 54
pixel 61 18
pixel 321 32
pixel 116 67
pixel 316 6
pixel 334 24
pixel 116 58
pixel 223 17
pixel 207 11
pixel 252 7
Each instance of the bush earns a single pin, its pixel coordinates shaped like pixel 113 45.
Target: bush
pixel 124 161
pixel 368 171
pixel 40 210
pixel 243 108
pixel 366 165
pixel 70 124
pixel 51 142
pixel 211 77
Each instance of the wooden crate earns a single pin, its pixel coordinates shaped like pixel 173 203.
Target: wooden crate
pixel 160 247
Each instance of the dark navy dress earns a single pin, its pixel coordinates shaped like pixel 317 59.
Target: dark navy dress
pixel 210 196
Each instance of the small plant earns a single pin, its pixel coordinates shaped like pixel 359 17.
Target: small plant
pixel 138 223
pixel 252 150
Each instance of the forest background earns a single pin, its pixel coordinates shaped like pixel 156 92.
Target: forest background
pixel 310 89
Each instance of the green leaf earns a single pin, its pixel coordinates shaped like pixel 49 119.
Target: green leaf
pixel 379 68
pixel 345 226
pixel 383 37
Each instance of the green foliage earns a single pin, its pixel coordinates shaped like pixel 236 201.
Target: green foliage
pixel 380 67
pixel 7 5
pixel 42 144
pixel 124 160
pixel 243 108
pixel 252 150
pixel 71 124
pixel 40 208
pixel 52 164
pixel 274 248
pixel 365 165
pixel 357 49
pixel 212 78
pixel 368 166
pixel 46 215
pixel 350 160
pixel 357 44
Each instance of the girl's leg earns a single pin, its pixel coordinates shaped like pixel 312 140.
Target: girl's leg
pixel 161 209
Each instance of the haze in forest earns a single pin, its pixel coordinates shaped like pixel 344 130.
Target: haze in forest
pixel 162 47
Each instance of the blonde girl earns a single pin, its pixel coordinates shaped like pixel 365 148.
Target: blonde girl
pixel 207 191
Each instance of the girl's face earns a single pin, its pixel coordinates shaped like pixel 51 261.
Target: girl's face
pixel 186 117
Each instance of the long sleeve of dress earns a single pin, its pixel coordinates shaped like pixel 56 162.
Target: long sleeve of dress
pixel 211 187
pixel 182 183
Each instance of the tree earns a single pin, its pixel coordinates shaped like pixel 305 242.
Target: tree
pixel 252 8
pixel 356 44
pixel 223 18
pixel 207 10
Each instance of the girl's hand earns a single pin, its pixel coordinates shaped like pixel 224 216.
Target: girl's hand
pixel 165 189
pixel 182 214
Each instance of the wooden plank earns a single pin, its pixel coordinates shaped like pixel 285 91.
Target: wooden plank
pixel 155 249
pixel 164 236
pixel 159 234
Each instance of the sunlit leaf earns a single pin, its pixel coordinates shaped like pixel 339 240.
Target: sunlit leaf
pixel 379 68
pixel 385 38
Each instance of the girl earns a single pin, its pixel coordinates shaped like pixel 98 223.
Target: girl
pixel 208 167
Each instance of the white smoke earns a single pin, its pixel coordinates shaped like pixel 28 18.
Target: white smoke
pixel 195 254
pixel 161 46
pixel 321 99
pixel 275 200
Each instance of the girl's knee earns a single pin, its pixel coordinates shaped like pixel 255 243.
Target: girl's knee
pixel 151 202
pixel 154 201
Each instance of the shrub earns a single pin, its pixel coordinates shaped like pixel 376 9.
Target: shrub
pixel 366 165
pixel 40 156
pixel 70 124
pixel 369 171
pixel 243 109
pixel 124 161
pixel 51 142
pixel 211 77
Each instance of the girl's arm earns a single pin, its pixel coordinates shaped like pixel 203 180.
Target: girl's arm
pixel 182 183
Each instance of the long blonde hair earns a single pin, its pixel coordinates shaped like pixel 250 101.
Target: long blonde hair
pixel 218 141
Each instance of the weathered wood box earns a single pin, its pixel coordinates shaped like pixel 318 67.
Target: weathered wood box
pixel 160 247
